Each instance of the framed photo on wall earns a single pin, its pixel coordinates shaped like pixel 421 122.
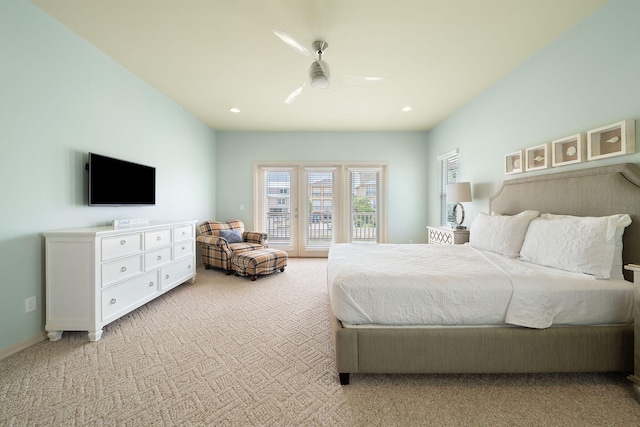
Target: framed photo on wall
pixel 537 157
pixel 568 150
pixel 615 139
pixel 513 163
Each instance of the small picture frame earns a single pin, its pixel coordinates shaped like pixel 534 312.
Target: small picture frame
pixel 513 163
pixel 568 150
pixel 537 157
pixel 615 139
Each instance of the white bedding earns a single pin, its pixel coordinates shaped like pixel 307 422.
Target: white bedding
pixel 390 284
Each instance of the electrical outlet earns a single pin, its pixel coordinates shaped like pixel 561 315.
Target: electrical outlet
pixel 410 242
pixel 29 304
pixel 241 207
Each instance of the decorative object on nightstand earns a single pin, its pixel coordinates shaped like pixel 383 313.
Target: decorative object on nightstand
pixel 456 193
pixel 446 236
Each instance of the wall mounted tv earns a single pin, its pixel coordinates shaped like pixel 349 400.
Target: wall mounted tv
pixel 115 182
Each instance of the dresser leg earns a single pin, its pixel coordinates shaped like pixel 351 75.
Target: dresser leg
pixel 54 335
pixel 95 335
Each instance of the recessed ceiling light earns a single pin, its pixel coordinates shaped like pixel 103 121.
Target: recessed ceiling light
pixel 407 108
pixel 234 110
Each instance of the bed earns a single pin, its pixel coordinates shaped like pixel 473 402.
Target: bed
pixel 483 346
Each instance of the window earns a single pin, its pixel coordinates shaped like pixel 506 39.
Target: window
pixel 275 205
pixel 365 191
pixel 305 207
pixel 448 174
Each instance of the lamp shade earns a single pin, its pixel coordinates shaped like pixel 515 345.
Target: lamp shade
pixel 459 192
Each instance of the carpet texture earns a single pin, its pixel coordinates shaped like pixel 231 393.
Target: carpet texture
pixel 227 351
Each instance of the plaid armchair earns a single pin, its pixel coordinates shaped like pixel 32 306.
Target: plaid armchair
pixel 217 251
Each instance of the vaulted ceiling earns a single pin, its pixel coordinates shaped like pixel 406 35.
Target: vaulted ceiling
pixel 213 55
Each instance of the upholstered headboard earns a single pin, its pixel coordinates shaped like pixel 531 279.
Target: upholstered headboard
pixel 596 191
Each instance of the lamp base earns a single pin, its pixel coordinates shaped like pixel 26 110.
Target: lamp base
pixel 458 224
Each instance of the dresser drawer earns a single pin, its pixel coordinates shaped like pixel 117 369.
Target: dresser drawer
pixel 157 258
pixel 120 246
pixel 128 295
pixel 182 233
pixel 177 272
pixel 182 249
pixel 121 269
pixel 157 238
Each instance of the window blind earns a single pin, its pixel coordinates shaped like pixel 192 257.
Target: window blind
pixel 448 174
pixel 276 205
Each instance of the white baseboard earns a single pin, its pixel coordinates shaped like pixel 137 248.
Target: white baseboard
pixel 19 346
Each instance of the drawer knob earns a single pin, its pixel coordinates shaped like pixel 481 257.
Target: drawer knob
pixel 113 300
pixel 166 277
pixel 184 247
pixel 184 233
pixel 123 242
pixel 159 257
pixel 158 238
pixel 150 284
pixel 123 269
pixel 189 267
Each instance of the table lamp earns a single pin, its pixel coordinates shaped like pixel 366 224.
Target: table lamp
pixel 456 193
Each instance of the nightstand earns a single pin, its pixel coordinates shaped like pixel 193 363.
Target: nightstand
pixel 446 236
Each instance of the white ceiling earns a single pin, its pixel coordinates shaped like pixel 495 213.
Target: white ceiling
pixel 211 55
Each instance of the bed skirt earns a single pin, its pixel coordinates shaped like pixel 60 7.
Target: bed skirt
pixel 482 350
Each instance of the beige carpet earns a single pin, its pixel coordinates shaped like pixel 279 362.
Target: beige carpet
pixel 227 351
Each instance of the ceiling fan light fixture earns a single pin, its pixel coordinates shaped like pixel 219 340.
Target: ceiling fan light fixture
pixel 319 74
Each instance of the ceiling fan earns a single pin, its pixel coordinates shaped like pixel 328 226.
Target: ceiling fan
pixel 320 76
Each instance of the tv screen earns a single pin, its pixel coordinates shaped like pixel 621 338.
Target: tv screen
pixel 115 182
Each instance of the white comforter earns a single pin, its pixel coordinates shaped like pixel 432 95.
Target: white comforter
pixel 390 284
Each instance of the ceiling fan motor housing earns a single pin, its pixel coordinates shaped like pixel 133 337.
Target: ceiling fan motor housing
pixel 319 74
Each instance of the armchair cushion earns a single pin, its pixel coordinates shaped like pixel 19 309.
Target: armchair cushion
pixel 232 236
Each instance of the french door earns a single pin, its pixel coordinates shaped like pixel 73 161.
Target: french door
pixel 306 208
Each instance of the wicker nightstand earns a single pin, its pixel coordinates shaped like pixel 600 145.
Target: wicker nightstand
pixel 446 236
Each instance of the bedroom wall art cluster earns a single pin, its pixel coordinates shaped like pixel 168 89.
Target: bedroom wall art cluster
pixel 616 139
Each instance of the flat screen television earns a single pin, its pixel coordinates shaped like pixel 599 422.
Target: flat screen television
pixel 115 182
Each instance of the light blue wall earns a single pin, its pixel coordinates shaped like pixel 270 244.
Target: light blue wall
pixel 587 78
pixel 59 99
pixel 404 151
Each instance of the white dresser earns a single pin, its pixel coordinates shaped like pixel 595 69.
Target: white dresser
pixel 96 275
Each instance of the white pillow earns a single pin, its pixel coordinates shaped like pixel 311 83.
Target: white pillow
pixel 578 244
pixel 501 234
pixel 623 222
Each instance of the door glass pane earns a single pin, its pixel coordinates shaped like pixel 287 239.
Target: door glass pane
pixel 365 191
pixel 319 221
pixel 276 215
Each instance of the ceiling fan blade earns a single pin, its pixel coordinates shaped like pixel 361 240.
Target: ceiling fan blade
pixel 293 43
pixel 351 80
pixel 294 95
